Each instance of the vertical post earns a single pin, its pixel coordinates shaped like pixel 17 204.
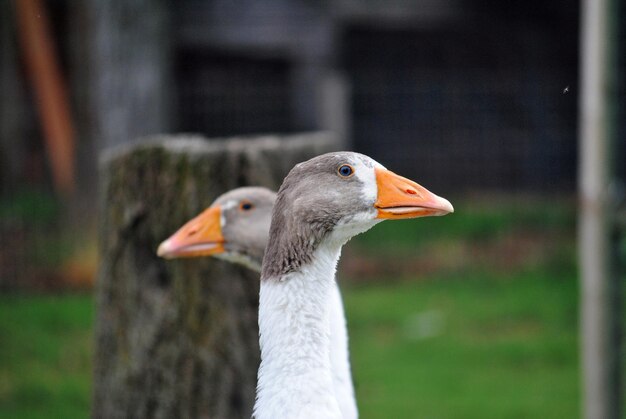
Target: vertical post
pixel 599 317
pixel 51 93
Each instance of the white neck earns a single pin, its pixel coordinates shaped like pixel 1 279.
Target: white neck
pixel 295 378
pixel 340 357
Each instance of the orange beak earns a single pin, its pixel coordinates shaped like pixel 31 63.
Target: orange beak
pixel 399 197
pixel 202 236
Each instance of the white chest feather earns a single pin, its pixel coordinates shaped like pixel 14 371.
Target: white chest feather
pixel 295 378
pixel 340 357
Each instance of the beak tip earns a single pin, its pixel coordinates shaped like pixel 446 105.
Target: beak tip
pixel 164 248
pixel 450 208
pixel 446 206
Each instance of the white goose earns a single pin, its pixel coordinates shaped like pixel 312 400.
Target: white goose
pixel 321 204
pixel 236 228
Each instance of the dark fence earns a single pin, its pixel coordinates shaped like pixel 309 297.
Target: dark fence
pixel 466 107
pixel 225 94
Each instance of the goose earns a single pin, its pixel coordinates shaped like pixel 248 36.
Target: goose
pixel 321 204
pixel 236 228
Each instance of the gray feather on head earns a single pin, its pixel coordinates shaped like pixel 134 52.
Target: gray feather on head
pixel 312 200
pixel 246 214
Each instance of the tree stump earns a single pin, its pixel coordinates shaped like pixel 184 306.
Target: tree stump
pixel 179 339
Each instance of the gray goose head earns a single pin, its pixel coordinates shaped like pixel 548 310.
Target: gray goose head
pixel 334 197
pixel 235 227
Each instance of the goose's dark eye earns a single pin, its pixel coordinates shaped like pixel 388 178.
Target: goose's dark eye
pixel 246 206
pixel 345 170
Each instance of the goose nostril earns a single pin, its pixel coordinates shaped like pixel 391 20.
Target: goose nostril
pixel 193 231
pixel 411 191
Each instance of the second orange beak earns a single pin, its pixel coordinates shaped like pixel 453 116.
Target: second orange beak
pixel 201 236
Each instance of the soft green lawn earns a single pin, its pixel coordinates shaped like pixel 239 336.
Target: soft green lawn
pixel 45 356
pixel 477 347
pixel 479 320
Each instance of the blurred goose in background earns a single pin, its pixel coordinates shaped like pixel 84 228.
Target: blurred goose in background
pixel 321 204
pixel 236 228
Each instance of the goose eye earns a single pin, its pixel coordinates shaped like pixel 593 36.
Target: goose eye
pixel 246 206
pixel 345 170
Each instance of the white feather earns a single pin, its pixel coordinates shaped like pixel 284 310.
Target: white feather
pixel 295 379
pixel 340 358
pixel 364 170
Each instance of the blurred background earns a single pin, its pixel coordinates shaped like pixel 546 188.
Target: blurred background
pixel 471 316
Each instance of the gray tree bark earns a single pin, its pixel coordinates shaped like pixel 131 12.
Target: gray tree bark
pixel 179 339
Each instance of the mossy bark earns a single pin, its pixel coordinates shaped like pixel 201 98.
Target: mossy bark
pixel 179 339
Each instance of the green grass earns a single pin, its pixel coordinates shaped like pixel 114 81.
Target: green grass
pixel 476 347
pixel 472 347
pixel 45 356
